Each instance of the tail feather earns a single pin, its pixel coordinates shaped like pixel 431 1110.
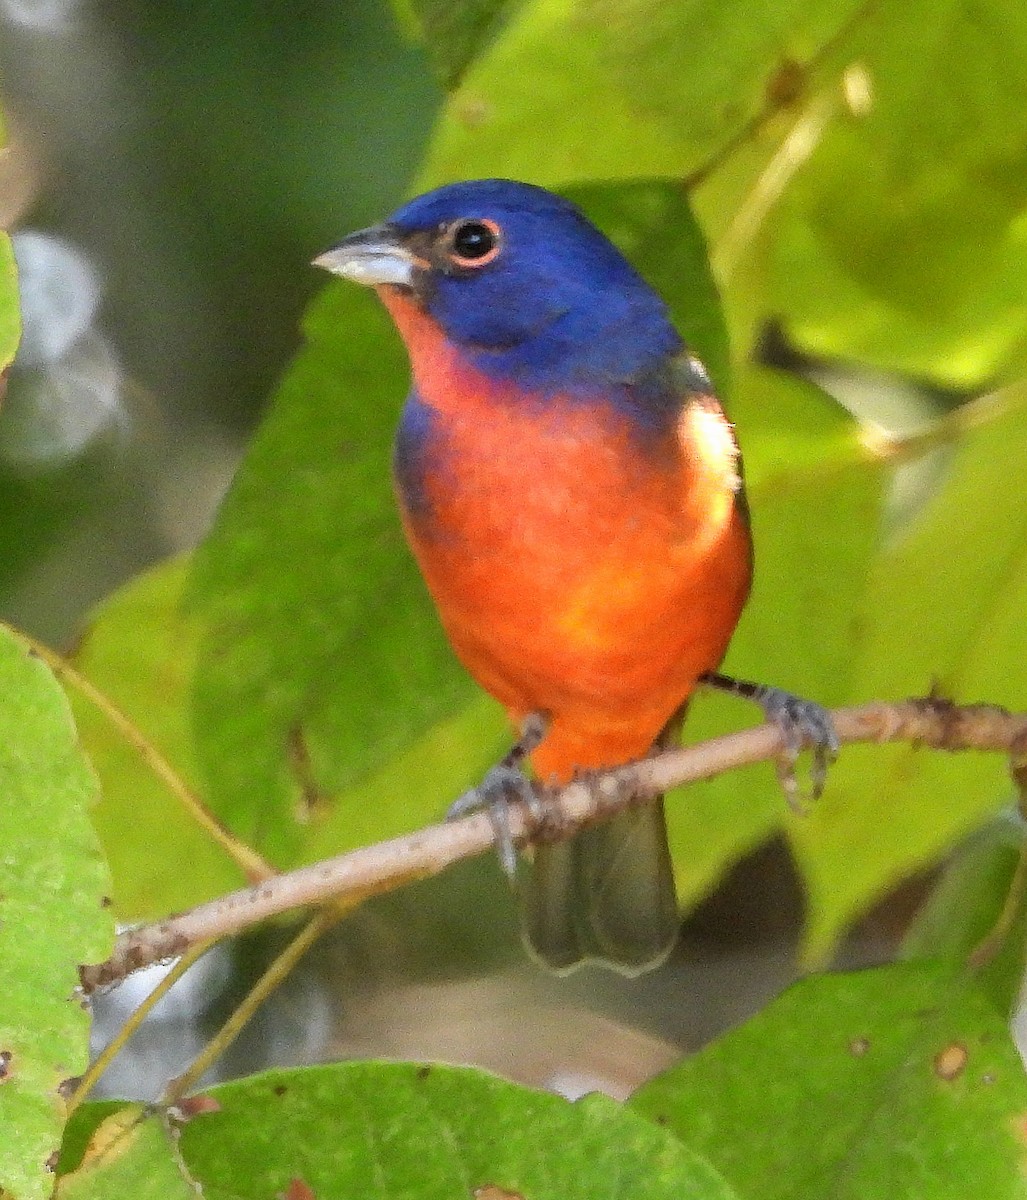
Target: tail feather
pixel 606 895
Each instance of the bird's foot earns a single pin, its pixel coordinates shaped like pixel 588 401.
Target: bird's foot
pixel 492 796
pixel 504 782
pixel 805 724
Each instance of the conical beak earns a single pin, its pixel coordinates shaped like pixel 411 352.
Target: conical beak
pixel 372 256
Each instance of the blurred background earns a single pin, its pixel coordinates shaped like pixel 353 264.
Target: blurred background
pixel 171 171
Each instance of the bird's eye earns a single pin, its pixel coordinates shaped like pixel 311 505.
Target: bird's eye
pixel 474 243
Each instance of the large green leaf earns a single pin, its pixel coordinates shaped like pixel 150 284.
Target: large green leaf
pixel 396 1130
pixel 416 786
pixel 325 675
pixel 399 1129
pixel 139 650
pixel 944 609
pixel 621 89
pixel 455 31
pixel 897 1082
pixel 324 657
pixel 53 881
pixel 905 242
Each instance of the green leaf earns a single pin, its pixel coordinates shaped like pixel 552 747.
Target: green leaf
pixel 905 244
pixel 815 502
pixel 129 1155
pixel 943 608
pixel 416 786
pixel 541 63
pixel 707 70
pixel 892 1082
pixel 10 317
pixel 324 657
pixel 399 1129
pixel 139 650
pixel 455 31
pixel 629 88
pixel 328 706
pixel 53 881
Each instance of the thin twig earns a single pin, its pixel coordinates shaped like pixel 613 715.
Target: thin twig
pixel 793 153
pixel 252 864
pixel 138 1015
pixel 388 865
pixel 784 88
pixel 269 982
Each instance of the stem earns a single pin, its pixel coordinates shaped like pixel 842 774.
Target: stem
pixel 253 865
pixel 114 1047
pixel 272 978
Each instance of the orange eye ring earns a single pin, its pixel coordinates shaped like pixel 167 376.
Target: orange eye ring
pixel 474 243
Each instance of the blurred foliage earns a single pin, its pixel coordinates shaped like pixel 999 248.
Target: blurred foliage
pixel 886 235
pixel 263 129
pixel 202 158
pixel 959 921
pixel 625 88
pixel 891 808
pixel 851 175
pixel 454 32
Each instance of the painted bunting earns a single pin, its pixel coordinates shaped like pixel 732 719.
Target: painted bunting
pixel 572 491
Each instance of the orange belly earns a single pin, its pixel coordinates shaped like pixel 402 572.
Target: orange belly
pixel 577 579
pixel 578 571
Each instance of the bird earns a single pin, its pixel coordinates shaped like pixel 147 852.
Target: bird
pixel 572 490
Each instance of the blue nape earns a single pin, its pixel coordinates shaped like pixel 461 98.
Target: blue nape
pixel 559 309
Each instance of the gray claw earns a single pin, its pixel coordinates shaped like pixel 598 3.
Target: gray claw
pixel 492 796
pixel 804 723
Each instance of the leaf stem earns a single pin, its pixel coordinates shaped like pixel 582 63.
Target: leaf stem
pixel 114 1047
pixel 272 978
pixel 255 867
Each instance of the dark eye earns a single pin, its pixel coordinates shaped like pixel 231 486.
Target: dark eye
pixel 474 243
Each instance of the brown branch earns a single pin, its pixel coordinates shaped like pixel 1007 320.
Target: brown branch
pixel 388 865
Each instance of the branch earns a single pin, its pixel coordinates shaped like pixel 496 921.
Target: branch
pixel 355 876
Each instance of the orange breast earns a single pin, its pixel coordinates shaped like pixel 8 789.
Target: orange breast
pixel 578 571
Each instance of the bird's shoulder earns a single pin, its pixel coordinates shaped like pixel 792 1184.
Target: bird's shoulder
pixel 703 434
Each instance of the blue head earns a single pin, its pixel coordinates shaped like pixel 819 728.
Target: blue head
pixel 522 282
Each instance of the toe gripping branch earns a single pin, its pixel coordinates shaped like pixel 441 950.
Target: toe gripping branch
pixel 804 724
pixel 504 782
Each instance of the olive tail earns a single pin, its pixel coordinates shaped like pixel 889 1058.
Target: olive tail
pixel 604 896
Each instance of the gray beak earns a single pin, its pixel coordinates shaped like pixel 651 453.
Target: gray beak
pixel 372 256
